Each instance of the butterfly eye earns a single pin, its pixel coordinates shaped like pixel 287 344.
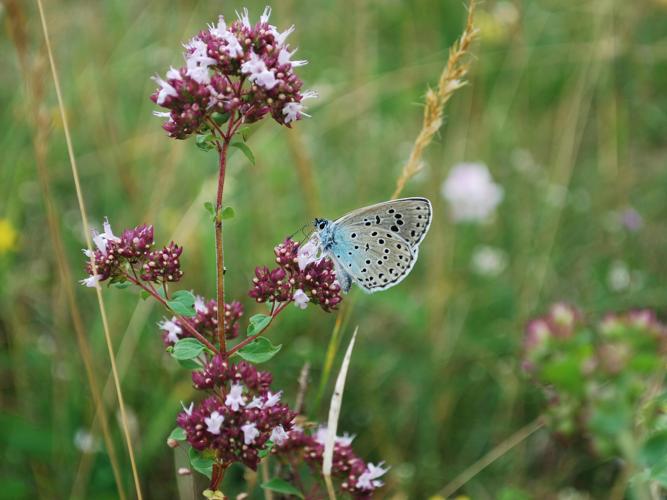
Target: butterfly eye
pixel 322 225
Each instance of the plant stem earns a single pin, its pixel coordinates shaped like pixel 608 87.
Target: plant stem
pixel 217 476
pixel 219 253
pixel 493 455
pixel 253 337
pixel 184 321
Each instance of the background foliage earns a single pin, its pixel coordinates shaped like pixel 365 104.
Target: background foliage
pixel 565 105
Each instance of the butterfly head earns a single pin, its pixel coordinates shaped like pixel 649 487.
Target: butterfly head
pixel 321 224
pixel 325 230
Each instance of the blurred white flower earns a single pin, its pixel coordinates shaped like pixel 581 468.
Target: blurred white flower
pixel 91 281
pixel 321 436
pixel 618 278
pixel 258 73
pixel 255 403
pixel 471 193
pixel 188 409
pixel 300 299
pixel 234 398
pixel 166 90
pixel 214 422
pixel 200 305
pixel 171 328
pixel 85 442
pixel 62 371
pixel 272 399
pixel 308 252
pixel 101 239
pixel 250 432
pixel 369 479
pixel 488 261
pixel 46 344
pixel 278 435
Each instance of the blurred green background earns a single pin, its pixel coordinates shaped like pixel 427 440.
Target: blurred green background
pixel 566 105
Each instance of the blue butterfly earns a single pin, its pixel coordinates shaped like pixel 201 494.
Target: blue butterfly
pixel 375 246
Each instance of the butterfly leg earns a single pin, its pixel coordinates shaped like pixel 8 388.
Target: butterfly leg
pixel 344 279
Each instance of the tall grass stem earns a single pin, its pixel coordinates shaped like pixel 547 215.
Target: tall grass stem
pixel 86 230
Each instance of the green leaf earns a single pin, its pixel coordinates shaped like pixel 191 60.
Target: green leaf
pixel 120 284
pixel 210 208
pixel 265 452
pixel 565 374
pixel 145 294
pixel 244 131
pixel 257 323
pixel 281 486
pixel 205 142
pixel 183 303
pixel 187 348
pixel 611 419
pixel 201 464
pixel 227 213
pixel 220 118
pixel 245 150
pixel 178 434
pixel 259 350
pixel 189 364
pixel 654 450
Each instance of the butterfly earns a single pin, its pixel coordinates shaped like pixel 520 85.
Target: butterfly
pixel 375 246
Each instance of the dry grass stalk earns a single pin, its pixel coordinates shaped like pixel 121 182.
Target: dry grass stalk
pixel 334 413
pixel 84 218
pixel 451 79
pixel 515 439
pixel 35 84
pixel 303 387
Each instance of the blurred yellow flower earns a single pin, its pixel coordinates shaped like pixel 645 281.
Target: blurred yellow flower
pixel 8 236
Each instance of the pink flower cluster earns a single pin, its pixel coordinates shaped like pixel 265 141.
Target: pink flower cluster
pixel 559 323
pixel 592 372
pixel 237 68
pixel 295 280
pixel 205 322
pixel 241 416
pixel 358 478
pixel 131 253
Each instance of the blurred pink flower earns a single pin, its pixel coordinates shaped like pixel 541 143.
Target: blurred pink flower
pixel 471 193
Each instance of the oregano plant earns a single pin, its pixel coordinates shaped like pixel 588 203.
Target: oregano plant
pixel 235 74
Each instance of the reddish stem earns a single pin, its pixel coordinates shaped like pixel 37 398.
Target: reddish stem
pixel 184 321
pixel 219 253
pixel 217 475
pixel 245 342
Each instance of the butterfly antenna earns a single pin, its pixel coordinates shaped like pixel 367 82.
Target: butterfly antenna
pixel 301 230
pixel 305 234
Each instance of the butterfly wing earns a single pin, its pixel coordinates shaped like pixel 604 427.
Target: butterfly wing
pixel 408 218
pixel 372 262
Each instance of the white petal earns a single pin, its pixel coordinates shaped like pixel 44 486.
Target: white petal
pixel 91 281
pixel 265 15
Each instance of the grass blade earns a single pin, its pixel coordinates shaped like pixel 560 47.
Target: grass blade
pixel 334 413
